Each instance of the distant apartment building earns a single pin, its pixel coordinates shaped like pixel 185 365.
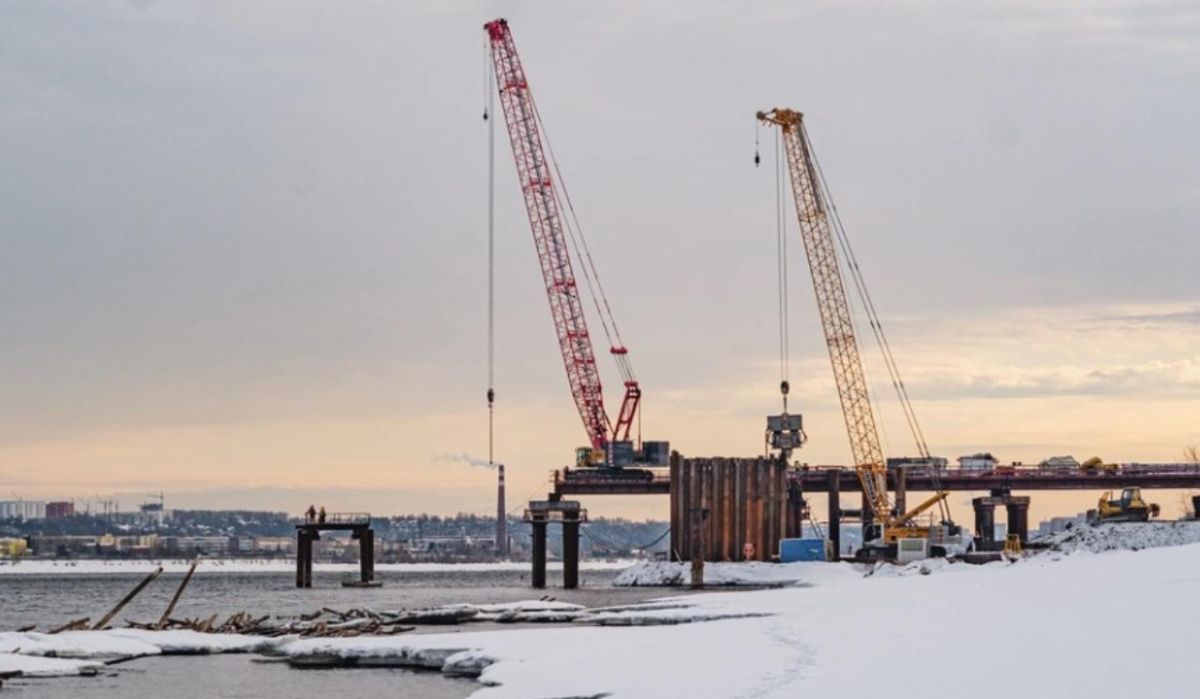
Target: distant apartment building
pixel 207 545
pixel 270 545
pixel 22 509
pixel 60 510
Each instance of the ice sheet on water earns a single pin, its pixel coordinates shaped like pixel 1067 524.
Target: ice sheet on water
pixel 133 643
pixel 14 665
pixel 76 644
pixel 751 573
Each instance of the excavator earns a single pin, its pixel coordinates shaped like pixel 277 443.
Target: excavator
pixel 819 223
pixel 1098 465
pixel 1130 507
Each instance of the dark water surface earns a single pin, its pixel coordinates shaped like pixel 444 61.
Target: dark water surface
pixel 50 600
pixel 240 677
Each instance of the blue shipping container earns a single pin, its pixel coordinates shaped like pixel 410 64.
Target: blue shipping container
pixel 792 550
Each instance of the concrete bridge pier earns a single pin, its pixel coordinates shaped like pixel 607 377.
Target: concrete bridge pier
pixel 568 513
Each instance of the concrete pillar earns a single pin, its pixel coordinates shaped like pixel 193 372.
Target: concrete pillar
pixel 366 555
pixel 676 507
pixel 539 554
pixel 301 550
pixel 835 513
pixel 1018 519
pixel 570 551
pixel 985 523
pixel 795 510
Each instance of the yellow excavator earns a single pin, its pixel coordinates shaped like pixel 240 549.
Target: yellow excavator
pixel 1096 464
pixel 1130 507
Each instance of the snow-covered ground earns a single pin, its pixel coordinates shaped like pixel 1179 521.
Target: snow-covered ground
pixel 98 567
pixel 1044 627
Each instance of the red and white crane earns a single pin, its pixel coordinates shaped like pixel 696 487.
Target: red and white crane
pixel 548 204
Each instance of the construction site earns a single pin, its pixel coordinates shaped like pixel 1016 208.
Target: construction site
pixel 757 508
pixel 946 433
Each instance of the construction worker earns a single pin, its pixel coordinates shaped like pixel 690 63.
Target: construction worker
pixel 321 517
pixel 310 515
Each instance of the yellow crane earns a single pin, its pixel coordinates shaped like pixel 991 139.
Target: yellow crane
pixel 816 215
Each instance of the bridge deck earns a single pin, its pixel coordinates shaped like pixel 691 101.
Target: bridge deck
pixel 816 478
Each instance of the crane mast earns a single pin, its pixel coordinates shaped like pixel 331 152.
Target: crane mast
pixel 544 205
pixel 812 209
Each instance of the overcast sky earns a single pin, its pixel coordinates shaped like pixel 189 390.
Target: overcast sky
pixel 244 247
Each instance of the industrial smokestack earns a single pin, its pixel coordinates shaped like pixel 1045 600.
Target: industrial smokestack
pixel 501 515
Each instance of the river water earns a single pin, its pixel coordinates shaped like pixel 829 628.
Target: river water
pixel 50 600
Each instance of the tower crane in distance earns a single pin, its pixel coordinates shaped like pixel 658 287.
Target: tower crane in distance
pixel 813 210
pixel 548 205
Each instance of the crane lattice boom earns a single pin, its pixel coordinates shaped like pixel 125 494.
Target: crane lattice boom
pixel 543 203
pixel 813 212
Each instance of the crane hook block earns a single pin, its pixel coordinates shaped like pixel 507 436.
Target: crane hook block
pixel 491 395
pixel 784 387
pixel 757 159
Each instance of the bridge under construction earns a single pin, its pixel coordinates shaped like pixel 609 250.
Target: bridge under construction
pixel 741 508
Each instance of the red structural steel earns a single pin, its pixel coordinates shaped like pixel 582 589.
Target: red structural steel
pixel 546 218
pixel 817 479
pixel 1140 475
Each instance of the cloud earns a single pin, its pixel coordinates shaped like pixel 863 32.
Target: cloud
pixel 1178 377
pixel 1186 317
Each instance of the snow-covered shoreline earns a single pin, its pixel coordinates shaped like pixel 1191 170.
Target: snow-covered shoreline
pixel 930 621
pixel 210 566
pixel 947 624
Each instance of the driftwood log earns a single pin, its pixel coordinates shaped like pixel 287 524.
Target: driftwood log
pixel 178 593
pixel 128 598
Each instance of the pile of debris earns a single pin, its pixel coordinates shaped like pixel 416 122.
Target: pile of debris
pixel 1128 536
pixel 355 622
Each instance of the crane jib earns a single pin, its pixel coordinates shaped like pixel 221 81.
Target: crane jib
pixel 550 228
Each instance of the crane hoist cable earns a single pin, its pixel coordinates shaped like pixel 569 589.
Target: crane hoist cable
pixel 781 265
pixel 489 102
pixel 782 272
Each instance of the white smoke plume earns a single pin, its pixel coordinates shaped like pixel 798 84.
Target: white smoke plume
pixel 462 458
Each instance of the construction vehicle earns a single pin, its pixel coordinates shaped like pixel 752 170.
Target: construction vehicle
pixel 1130 507
pixel 1097 465
pixel 558 238
pixel 818 224
pixel 1012 547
